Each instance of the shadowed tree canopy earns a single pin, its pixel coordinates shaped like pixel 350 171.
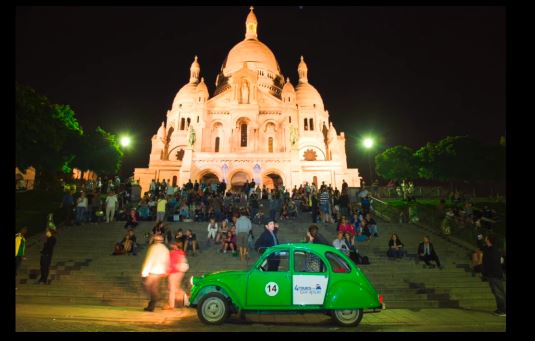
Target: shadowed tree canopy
pixel 44 132
pixel 49 138
pixel 397 163
pixel 104 152
pixel 454 158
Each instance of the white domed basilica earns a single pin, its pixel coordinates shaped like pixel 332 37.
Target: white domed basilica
pixel 256 126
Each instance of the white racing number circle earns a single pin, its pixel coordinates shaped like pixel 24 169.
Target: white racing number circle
pixel 272 289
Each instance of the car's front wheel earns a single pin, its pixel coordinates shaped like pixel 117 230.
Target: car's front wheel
pixel 347 318
pixel 213 308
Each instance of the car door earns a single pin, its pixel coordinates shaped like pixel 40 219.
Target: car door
pixel 269 285
pixel 309 280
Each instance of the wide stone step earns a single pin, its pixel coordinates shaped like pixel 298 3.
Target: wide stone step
pixel 423 304
pixel 116 280
pixel 125 302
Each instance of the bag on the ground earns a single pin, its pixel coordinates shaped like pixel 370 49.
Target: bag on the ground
pixel 118 249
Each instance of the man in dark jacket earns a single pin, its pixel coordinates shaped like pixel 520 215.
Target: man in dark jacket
pixel 267 239
pixel 426 252
pixel 46 255
pixel 492 271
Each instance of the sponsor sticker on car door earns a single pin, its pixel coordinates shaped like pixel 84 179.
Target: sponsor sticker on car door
pixel 309 289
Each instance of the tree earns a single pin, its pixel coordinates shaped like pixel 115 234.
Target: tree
pixel 397 163
pixel 104 153
pixel 44 134
pixel 454 158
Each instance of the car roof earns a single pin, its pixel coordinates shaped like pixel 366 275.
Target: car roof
pixel 309 246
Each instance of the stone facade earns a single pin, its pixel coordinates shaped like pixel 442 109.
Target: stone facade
pixel 257 125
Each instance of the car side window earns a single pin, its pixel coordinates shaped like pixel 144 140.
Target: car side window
pixel 277 261
pixel 305 261
pixel 337 263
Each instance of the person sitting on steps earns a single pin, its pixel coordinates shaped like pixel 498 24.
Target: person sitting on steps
pixel 426 253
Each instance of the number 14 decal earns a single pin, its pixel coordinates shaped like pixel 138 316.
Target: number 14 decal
pixel 272 289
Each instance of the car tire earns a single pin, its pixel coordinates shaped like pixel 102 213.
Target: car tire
pixel 213 308
pixel 347 318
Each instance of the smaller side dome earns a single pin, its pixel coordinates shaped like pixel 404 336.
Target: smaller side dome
pixel 202 88
pixel 186 95
pixel 288 87
pixel 288 92
pixel 306 94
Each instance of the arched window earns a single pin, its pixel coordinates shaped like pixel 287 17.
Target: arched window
pixel 311 124
pixel 217 144
pixel 188 121
pixel 306 124
pixel 243 135
pixel 197 119
pixel 270 144
pixel 290 119
pixel 182 122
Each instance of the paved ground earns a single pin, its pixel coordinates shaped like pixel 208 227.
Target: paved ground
pixel 37 317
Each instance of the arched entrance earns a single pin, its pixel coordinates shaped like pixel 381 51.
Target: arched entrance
pixel 272 180
pixel 238 180
pixel 209 178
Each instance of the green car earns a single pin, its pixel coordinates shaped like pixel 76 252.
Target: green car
pixel 297 278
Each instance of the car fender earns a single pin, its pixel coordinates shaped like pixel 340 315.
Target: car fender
pixel 347 294
pixel 220 288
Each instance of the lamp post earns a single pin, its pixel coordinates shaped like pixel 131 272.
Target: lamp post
pixel 368 144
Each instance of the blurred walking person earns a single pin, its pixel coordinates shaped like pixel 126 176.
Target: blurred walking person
pixel 178 265
pixel 154 268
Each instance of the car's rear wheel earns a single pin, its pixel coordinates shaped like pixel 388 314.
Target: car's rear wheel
pixel 213 308
pixel 347 318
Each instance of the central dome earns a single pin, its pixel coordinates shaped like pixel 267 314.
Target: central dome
pixel 250 50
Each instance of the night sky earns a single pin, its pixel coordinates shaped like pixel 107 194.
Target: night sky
pixel 409 75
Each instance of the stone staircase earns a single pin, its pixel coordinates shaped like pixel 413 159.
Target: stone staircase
pixel 84 271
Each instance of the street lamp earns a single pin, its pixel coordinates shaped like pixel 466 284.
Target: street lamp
pixel 368 144
pixel 125 141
